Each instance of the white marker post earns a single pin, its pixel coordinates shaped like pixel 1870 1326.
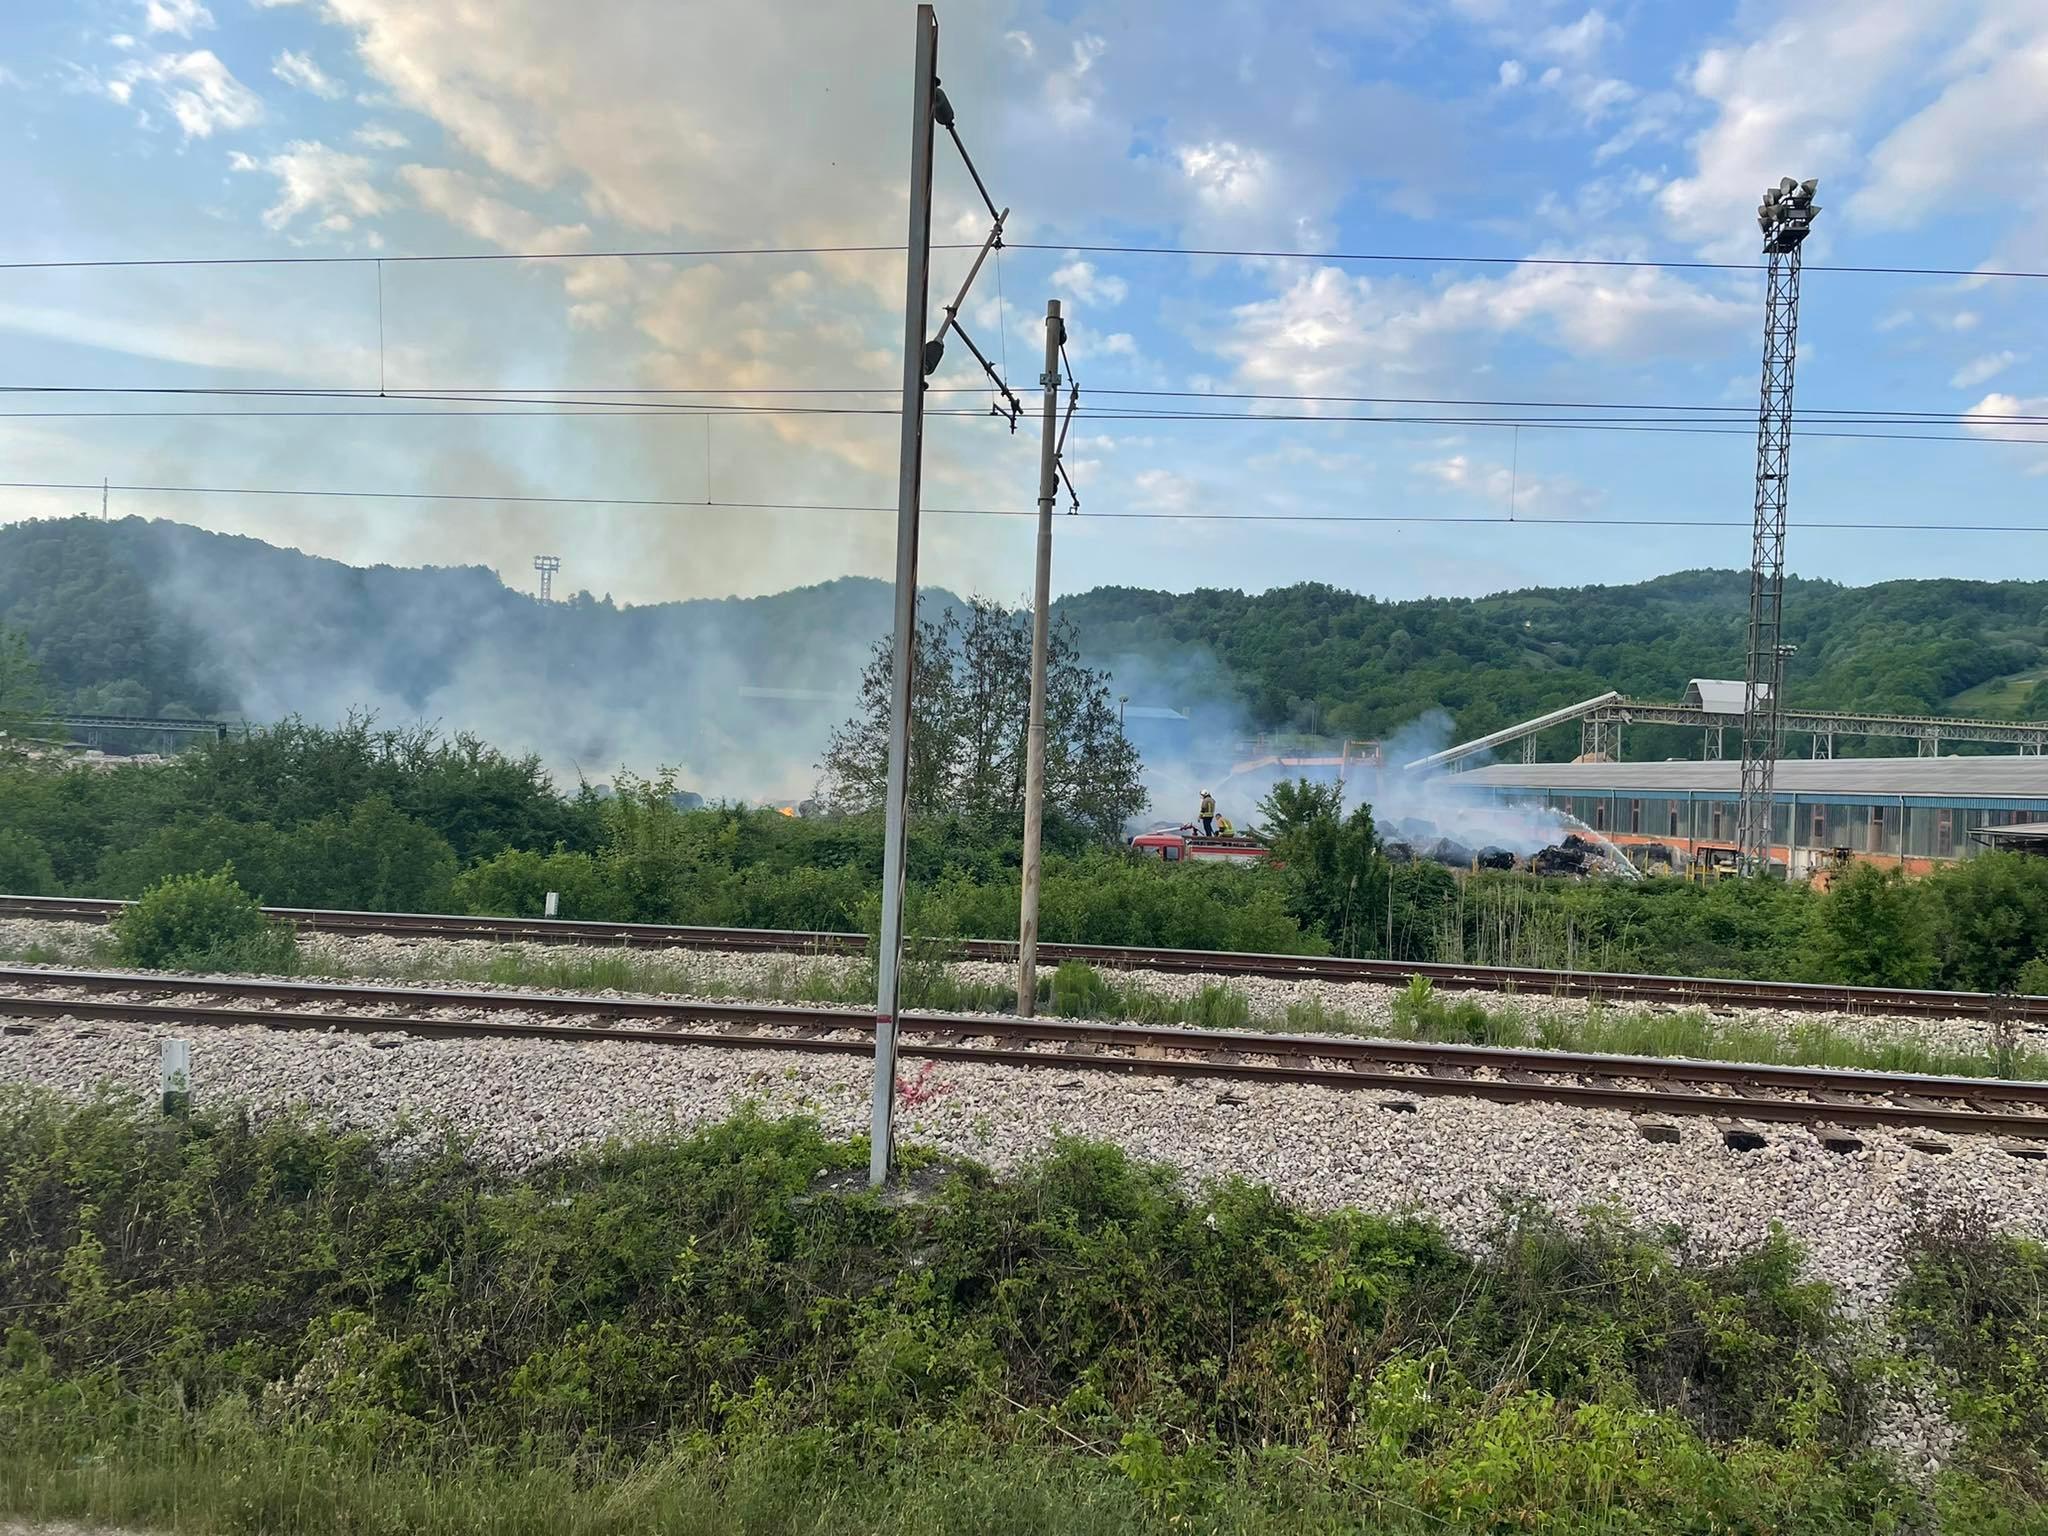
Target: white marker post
pixel 174 1076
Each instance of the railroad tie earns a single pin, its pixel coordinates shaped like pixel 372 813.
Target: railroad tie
pixel 1739 1137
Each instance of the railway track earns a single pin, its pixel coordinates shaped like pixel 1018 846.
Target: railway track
pixel 1397 1074
pixel 1611 987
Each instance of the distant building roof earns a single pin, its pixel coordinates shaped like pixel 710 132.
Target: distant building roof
pixel 2030 835
pixel 1717 695
pixel 2001 778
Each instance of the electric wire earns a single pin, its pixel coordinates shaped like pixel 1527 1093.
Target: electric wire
pixel 631 397
pixel 679 503
pixel 722 252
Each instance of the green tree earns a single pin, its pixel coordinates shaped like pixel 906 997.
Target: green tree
pixel 971 683
pixel 22 694
pixel 1874 928
pixel 1336 875
pixel 25 868
pixel 1991 918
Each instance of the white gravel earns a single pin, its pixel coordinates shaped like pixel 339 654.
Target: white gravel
pixel 1452 1160
pixel 1370 1005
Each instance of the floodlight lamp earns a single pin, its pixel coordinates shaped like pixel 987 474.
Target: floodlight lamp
pixel 1771 195
pixel 933 351
pixel 1810 186
pixel 1786 184
pixel 942 109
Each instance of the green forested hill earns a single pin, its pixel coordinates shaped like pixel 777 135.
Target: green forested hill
pixel 155 617
pixel 1313 656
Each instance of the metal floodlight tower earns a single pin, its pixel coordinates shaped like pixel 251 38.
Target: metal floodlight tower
pixel 547 565
pixel 1785 217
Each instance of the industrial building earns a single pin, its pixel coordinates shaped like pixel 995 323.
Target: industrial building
pixel 1910 811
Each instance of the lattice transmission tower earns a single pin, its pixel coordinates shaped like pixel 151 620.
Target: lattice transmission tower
pixel 547 565
pixel 1785 216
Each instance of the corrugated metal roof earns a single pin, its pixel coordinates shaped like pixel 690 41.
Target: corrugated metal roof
pixel 1718 696
pixel 2005 778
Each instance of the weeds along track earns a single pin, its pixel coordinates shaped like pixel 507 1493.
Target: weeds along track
pixel 1396 1075
pixel 1609 987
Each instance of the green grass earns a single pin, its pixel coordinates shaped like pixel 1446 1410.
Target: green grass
pixel 236 1481
pixel 1999 697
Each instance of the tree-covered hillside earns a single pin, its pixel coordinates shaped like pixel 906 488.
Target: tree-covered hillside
pixel 156 617
pixel 1315 657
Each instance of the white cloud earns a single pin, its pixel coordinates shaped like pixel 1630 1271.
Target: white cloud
pixel 1507 486
pixel 198 90
pixel 1512 73
pixel 142 326
pixel 1072 92
pixel 1162 490
pixel 1964 320
pixel 380 136
pixel 1980 370
pixel 183 17
pixel 1578 41
pixel 473 205
pixel 1328 331
pixel 1996 404
pixel 1984 129
pixel 312 178
pixel 1794 100
pixel 300 70
pixel 1080 279
pixel 1223 174
pixel 1020 44
pixel 1894 319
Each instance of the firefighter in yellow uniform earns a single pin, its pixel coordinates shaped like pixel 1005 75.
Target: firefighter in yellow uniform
pixel 1208 814
pixel 1224 828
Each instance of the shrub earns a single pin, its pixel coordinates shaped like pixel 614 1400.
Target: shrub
pixel 25 865
pixel 202 922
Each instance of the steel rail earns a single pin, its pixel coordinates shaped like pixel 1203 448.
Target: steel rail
pixel 1606 986
pixel 1632 1084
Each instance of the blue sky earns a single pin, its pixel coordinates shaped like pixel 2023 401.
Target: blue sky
pixel 154 128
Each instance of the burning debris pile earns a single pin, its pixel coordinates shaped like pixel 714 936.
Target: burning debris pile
pixel 1576 855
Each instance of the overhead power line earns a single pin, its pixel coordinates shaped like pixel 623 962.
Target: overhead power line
pixel 1992 429
pixel 629 397
pixel 1243 253
pixel 684 504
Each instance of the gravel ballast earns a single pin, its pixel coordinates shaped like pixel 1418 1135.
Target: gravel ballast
pixel 1452 1160
pixel 1370 1005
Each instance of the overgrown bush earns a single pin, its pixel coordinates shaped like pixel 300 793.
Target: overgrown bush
pixel 678 1307
pixel 202 923
pixel 25 868
pixel 1976 1301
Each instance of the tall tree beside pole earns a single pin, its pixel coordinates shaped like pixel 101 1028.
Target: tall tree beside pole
pixel 1041 600
pixel 924 83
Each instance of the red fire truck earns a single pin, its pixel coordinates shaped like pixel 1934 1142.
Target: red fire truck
pixel 1174 844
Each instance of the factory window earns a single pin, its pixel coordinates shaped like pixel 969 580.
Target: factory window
pixel 1876 840
pixel 1672 807
pixel 1944 833
pixel 1169 853
pixel 1717 821
pixel 1820 825
pixel 1599 815
pixel 1635 816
